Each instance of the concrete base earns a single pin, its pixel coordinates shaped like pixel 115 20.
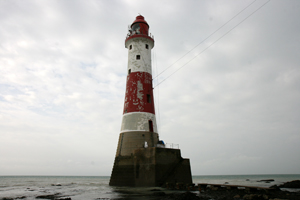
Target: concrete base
pixel 151 167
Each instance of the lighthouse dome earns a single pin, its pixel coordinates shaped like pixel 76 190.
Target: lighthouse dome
pixel 140 19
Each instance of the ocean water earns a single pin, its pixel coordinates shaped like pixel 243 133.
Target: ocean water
pixel 96 187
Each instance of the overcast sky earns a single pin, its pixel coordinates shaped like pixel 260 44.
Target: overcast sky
pixel 233 109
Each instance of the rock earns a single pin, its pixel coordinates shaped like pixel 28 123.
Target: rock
pixel 53 197
pixel 237 196
pixel 265 196
pixel 57 184
pixel 213 188
pixel 187 196
pixel 275 187
pixel 182 196
pixel 155 190
pixel 50 196
pixel 291 184
pixel 253 197
pixel 278 199
pixel 248 196
pixel 266 180
pixel 159 194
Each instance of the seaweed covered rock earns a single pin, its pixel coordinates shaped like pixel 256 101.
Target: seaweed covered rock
pixel 291 184
pixel 56 196
pixel 182 196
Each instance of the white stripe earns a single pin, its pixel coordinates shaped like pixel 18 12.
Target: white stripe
pixel 138 121
pixel 139 48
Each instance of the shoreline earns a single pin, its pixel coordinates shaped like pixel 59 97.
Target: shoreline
pixel 205 191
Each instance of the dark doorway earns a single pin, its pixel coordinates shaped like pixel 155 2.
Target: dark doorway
pixel 150 125
pixel 148 98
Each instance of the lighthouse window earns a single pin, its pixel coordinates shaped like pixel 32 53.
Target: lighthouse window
pixel 138 57
pixel 148 98
pixel 136 28
pixel 147 46
pixel 130 47
pixel 129 71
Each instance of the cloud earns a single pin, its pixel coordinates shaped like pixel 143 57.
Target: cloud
pixel 232 109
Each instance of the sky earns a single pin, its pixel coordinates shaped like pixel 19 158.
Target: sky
pixel 229 94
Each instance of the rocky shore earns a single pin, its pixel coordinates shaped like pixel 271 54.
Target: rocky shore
pixel 209 193
pixel 235 193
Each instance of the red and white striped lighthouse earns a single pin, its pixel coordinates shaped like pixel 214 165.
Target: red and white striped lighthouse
pixel 139 160
pixel 138 124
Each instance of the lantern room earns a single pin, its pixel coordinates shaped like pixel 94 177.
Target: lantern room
pixel 139 26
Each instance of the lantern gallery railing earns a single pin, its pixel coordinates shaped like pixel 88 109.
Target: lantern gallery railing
pixel 131 34
pixel 172 146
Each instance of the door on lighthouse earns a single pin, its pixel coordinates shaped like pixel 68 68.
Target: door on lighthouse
pixel 150 126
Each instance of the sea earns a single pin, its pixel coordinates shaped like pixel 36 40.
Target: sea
pixel 97 187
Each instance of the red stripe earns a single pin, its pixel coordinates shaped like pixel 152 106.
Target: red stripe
pixel 138 87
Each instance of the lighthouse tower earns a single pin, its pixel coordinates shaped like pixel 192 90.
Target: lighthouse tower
pixel 138 124
pixel 141 159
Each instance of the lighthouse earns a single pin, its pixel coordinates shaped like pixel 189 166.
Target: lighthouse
pixel 141 158
pixel 138 124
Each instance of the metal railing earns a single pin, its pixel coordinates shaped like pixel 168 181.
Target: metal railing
pixel 128 35
pixel 172 146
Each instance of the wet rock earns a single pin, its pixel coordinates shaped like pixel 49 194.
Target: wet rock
pixel 7 198
pixel 57 184
pixel 213 188
pixel 265 196
pixel 255 197
pixel 53 197
pixel 159 194
pixel 50 196
pixel 291 184
pixel 155 190
pixel 275 187
pixel 278 199
pixel 182 196
pixel 266 180
pixel 248 196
